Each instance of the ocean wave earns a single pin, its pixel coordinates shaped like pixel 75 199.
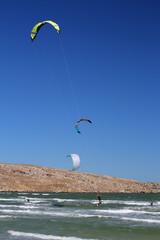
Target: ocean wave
pixel 76 214
pixel 125 211
pixel 51 213
pixel 119 211
pixel 65 200
pixel 124 202
pixel 6 216
pixel 19 206
pixel 43 236
pixel 156 203
pixel 22 193
pixel 11 199
pixel 142 220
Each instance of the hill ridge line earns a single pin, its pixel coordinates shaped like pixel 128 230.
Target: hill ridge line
pixel 33 178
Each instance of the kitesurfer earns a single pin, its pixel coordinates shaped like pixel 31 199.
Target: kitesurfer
pixel 99 198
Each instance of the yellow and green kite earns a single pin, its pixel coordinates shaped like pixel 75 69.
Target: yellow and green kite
pixel 38 26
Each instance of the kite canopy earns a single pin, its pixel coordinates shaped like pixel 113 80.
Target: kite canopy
pixel 76 161
pixel 82 119
pixel 38 26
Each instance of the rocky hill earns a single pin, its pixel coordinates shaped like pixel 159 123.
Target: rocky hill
pixel 30 178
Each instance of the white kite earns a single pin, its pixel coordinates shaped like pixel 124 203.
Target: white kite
pixel 76 161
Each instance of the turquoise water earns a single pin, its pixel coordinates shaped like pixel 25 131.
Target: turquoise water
pixel 75 216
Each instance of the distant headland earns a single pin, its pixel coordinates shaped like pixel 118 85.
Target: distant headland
pixel 31 178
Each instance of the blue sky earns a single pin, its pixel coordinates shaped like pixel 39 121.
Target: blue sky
pixel 104 66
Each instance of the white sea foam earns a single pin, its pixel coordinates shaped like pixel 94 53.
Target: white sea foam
pixel 50 213
pixel 5 216
pixel 34 199
pixel 117 211
pixel 22 199
pixel 142 220
pixel 134 203
pixel 73 200
pixel 125 211
pixel 43 236
pixel 156 204
pixel 22 193
pixel 65 200
pixel 19 206
pixel 74 214
pixel 11 199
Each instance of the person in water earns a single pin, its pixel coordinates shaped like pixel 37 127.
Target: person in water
pixel 99 198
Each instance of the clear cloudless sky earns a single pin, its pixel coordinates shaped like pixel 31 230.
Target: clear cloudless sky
pixel 104 66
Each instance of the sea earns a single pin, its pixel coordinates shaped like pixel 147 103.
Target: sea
pixel 76 216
